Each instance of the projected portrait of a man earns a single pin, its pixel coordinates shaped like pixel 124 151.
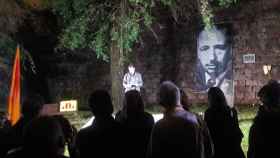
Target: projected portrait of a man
pixel 214 61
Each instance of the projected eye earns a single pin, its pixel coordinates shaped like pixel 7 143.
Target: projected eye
pixel 204 48
pixel 222 47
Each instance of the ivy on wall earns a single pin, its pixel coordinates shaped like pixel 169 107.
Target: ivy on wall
pixel 206 10
pixel 227 3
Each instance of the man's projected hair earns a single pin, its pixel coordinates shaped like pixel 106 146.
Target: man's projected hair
pixel 226 29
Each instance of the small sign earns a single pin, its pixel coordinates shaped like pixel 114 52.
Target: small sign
pixel 249 58
pixel 68 106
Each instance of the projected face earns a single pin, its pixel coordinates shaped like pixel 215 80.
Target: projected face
pixel 131 69
pixel 212 51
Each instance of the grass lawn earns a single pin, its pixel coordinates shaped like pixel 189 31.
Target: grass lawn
pixel 245 116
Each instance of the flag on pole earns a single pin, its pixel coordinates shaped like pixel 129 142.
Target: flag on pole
pixel 14 97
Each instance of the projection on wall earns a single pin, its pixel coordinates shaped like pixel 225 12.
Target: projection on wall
pixel 214 62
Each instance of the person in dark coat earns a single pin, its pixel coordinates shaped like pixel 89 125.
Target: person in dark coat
pixel 264 135
pixel 137 124
pixel 207 145
pixel 43 138
pixel 104 137
pixel 4 134
pixel 70 133
pixel 31 108
pixel 177 133
pixel 222 122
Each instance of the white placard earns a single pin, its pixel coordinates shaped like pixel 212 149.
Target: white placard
pixel 249 58
pixel 68 106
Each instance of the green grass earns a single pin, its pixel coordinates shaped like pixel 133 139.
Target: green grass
pixel 246 116
pixel 245 127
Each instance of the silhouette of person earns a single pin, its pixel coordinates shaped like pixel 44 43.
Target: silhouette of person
pixel 100 139
pixel 222 122
pixel 264 134
pixel 205 137
pixel 177 133
pixel 137 124
pixel 43 138
pixel 70 133
pixel 31 108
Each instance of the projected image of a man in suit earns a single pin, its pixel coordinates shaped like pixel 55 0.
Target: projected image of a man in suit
pixel 214 63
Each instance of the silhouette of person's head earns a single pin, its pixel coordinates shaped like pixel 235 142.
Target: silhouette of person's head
pixel 213 50
pixel 32 106
pixel 100 103
pixel 133 102
pixel 68 130
pixel 216 98
pixel 169 95
pixel 44 137
pixel 270 95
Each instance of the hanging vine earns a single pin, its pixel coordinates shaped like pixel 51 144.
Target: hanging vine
pixel 227 3
pixel 206 10
pixel 206 13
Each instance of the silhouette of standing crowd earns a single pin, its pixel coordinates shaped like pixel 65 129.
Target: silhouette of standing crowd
pixel 133 133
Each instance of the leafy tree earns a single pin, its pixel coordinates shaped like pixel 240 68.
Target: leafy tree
pixel 94 24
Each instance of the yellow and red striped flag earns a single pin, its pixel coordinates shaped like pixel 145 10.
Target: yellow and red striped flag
pixel 14 97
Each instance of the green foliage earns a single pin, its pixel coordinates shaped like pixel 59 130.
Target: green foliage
pixel 207 12
pixel 168 2
pixel 74 21
pixel 100 43
pixel 74 36
pixel 227 3
pixel 96 24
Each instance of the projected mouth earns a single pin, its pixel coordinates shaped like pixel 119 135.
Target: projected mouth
pixel 211 67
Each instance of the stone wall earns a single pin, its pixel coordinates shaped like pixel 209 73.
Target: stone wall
pixel 259 35
pixel 77 77
pixel 255 28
